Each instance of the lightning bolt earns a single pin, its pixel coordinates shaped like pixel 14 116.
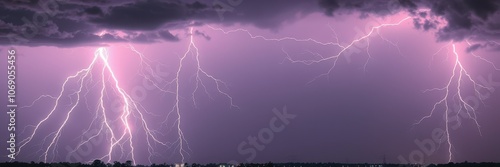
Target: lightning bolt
pixel 481 58
pixel 119 131
pixel 334 57
pixel 459 74
pixel 199 75
pixel 84 73
pixel 118 138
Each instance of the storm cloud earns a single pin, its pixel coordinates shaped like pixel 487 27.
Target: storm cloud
pixel 67 23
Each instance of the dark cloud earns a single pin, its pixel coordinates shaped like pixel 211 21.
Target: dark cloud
pixel 150 37
pixel 196 32
pixel 464 19
pixel 143 15
pixel 71 23
pixel 260 13
pixel 94 10
pixel 68 23
pixel 488 44
pixel 166 35
pixel 379 7
pixel 422 22
pixel 197 5
pixel 481 8
pixel 474 47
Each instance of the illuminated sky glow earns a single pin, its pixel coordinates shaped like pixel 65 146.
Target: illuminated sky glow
pixel 363 88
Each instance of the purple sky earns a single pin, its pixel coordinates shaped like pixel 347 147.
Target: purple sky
pixel 357 113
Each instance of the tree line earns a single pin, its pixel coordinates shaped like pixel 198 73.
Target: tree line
pixel 99 163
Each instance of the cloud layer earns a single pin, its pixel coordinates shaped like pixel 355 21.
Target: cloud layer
pixel 67 23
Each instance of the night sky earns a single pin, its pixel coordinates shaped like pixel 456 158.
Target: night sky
pixel 309 81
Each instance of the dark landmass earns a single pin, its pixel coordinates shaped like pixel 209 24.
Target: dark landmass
pixel 98 163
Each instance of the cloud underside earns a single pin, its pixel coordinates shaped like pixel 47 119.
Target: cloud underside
pixel 65 23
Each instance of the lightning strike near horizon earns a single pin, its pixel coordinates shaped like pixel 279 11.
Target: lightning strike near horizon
pixel 454 101
pixel 119 131
pixel 138 83
pixel 200 72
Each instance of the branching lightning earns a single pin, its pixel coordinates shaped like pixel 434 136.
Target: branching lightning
pixel 119 132
pixel 454 91
pixel 454 88
pixel 120 136
pixel 193 50
pixel 333 57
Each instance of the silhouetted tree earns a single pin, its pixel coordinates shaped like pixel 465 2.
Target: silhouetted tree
pixel 269 164
pixel 117 164
pixel 98 163
pixel 128 163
